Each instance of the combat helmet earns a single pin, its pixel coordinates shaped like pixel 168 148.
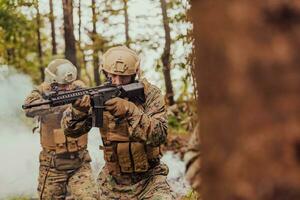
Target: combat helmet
pixel 120 60
pixel 60 71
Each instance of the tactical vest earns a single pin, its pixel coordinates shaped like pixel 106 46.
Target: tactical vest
pixel 52 136
pixel 121 154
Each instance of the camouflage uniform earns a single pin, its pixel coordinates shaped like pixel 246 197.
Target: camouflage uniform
pixel 131 149
pixel 192 159
pixel 64 161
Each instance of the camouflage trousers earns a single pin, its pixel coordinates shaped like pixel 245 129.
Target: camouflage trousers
pixel 153 186
pixel 54 184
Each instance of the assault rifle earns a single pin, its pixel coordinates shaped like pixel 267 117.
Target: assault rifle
pixel 99 95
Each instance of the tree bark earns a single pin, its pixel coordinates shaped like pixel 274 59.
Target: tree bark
pixel 10 55
pixel 126 18
pixel 52 22
pixel 79 44
pixel 166 55
pixel 95 48
pixel 79 22
pixel 70 47
pixel 39 47
pixel 248 78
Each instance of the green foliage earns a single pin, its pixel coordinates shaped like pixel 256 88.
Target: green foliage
pixel 18 43
pixel 18 37
pixel 173 122
pixel 191 195
pixel 182 117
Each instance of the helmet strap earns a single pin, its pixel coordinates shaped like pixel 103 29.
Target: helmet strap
pixel 54 86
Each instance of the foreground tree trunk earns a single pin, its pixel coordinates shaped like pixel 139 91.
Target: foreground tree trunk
pixel 248 76
pixel 166 55
pixel 70 47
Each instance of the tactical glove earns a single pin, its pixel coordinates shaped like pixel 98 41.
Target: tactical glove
pixel 121 108
pixel 83 104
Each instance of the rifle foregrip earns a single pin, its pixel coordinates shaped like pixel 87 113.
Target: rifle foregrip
pixel 98 118
pixel 98 107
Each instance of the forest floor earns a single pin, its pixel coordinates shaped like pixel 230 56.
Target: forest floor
pixel 177 144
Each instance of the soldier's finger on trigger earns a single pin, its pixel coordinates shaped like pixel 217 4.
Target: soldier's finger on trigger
pixel 111 101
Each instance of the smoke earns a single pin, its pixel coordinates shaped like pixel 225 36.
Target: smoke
pixel 19 147
pixel 176 176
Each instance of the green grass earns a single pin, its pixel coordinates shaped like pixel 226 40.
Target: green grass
pixel 191 195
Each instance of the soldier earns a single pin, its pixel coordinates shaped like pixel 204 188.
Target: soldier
pixel 64 161
pixel 132 134
pixel 192 159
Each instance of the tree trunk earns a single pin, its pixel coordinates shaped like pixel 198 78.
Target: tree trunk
pixel 70 47
pixel 52 22
pixel 79 23
pixel 127 39
pixel 166 55
pixel 40 50
pixel 95 48
pixel 79 44
pixel 248 78
pixel 10 52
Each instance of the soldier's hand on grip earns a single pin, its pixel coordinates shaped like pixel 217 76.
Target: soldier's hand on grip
pixel 120 107
pixel 83 104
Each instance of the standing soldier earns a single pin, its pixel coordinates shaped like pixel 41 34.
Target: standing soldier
pixel 132 134
pixel 64 161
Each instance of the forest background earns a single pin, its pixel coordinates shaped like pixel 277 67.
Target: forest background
pixel 34 32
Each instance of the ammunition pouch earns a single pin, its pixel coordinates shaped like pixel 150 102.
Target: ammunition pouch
pixel 55 140
pixel 132 157
pixel 60 141
pixel 65 161
pixel 123 156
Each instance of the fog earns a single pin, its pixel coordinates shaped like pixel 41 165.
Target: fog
pixel 19 147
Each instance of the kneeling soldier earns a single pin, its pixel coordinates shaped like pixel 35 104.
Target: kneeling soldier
pixel 132 134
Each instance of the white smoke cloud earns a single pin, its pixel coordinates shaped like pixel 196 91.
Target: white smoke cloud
pixel 176 176
pixel 19 148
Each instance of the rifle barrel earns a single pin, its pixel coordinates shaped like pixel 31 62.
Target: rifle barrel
pixel 27 106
